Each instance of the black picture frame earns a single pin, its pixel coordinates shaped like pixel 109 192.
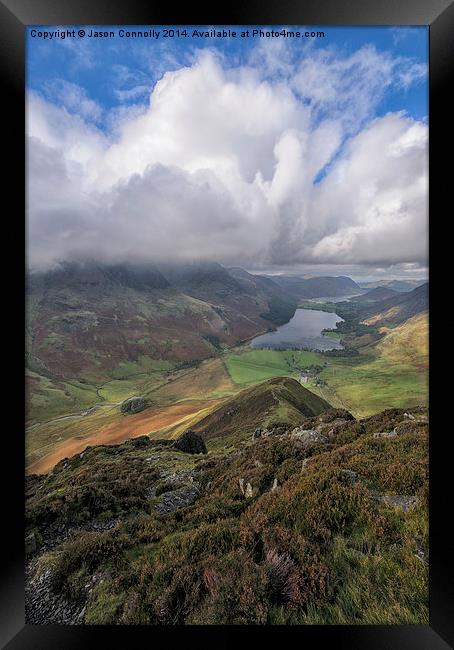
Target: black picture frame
pixel 14 16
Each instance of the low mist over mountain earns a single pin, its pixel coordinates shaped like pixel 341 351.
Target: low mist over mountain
pixel 90 317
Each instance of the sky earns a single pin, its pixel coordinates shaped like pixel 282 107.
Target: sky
pixel 277 153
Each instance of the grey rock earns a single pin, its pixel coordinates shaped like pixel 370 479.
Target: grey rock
pixel 350 476
pixel 42 606
pixel 309 436
pixel 248 493
pixel 385 434
pixel 171 501
pixel 30 544
pixel 134 405
pixel 400 501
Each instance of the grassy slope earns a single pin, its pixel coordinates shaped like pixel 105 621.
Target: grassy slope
pixel 278 400
pixel 249 366
pixel 391 373
pixel 408 343
pixel 364 384
pixel 367 385
pixel 319 549
pixel 199 388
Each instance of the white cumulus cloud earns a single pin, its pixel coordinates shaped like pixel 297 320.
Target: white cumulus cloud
pixel 234 165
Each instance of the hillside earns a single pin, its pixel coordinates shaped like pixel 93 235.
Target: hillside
pixel 408 342
pixel 317 287
pixel 279 401
pixel 374 295
pixel 324 523
pixel 397 309
pixel 92 322
pixel 281 305
pixel 396 285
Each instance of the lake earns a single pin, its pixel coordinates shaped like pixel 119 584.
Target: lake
pixel 304 330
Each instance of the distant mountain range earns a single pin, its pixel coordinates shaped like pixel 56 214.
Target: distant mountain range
pixel 83 320
pixel 397 285
pixel 317 287
pixel 398 308
pixel 374 295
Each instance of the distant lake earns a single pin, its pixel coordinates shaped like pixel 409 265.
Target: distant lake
pixel 304 330
pixel 336 298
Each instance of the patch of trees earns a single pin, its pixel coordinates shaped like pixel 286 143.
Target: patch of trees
pixel 346 352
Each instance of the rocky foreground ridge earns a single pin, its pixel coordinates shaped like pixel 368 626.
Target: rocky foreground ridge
pixel 323 522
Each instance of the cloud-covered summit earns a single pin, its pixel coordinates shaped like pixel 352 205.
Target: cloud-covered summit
pixel 270 162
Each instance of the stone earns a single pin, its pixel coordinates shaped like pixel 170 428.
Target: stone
pixel 400 501
pixel 30 544
pixel 249 491
pixel 309 436
pixel 191 443
pixel 275 485
pixel 350 476
pixel 171 501
pixel 133 405
pixel 385 434
pixel 241 482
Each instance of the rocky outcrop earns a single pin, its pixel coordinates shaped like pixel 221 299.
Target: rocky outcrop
pixel 191 443
pixel 399 501
pixel 43 607
pixel 134 405
pixel 176 499
pixel 309 436
pixel 385 434
pixel 349 476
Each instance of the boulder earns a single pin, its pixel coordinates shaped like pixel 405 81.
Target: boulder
pixel 349 476
pixel 191 443
pixel 140 441
pixel 176 499
pixel 385 434
pixel 309 436
pixel 400 501
pixel 30 544
pixel 134 405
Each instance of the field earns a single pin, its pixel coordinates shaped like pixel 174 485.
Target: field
pixel 116 428
pixel 176 400
pixel 247 366
pixel 372 384
pixel 65 417
pixel 364 385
